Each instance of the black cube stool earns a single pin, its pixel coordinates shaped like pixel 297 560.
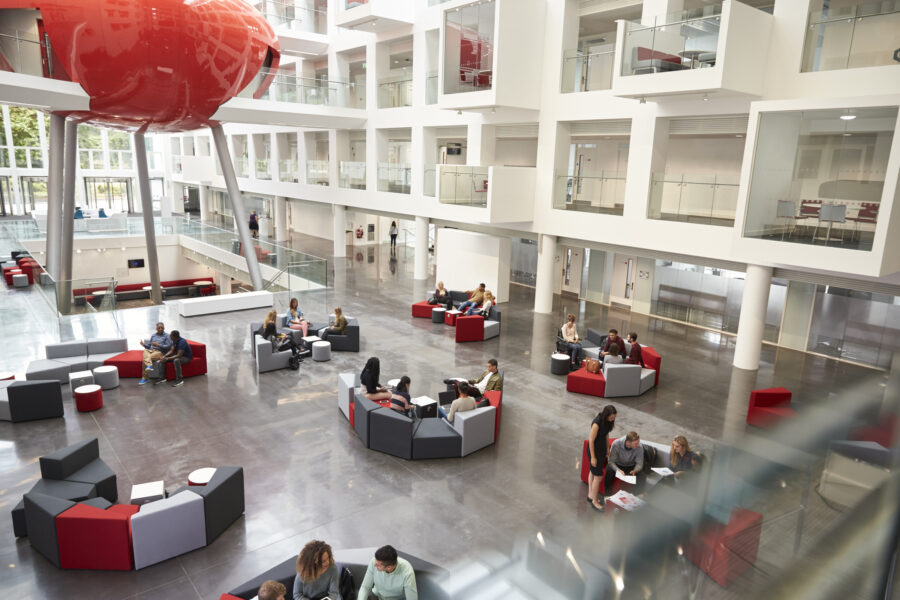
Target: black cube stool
pixel 559 363
pixel 437 315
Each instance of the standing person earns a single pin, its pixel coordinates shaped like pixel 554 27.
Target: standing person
pixel 570 336
pixel 598 442
pixel 393 232
pixel 389 577
pixel 338 327
pixel 180 353
pixel 254 225
pixel 369 380
pixel 154 350
pixel 317 574
pixel 294 318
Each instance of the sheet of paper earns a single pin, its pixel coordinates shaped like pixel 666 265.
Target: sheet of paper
pixel 632 479
pixel 664 471
pixel 626 501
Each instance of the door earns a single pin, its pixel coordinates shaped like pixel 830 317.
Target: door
pixel 622 285
pixel 572 261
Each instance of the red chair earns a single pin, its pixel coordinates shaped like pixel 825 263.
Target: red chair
pixel 422 310
pixel 92 538
pixel 769 406
pixel 725 551
pixel 128 363
pixel 583 382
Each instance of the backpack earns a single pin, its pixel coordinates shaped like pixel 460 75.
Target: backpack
pixel 649 457
pixel 345 584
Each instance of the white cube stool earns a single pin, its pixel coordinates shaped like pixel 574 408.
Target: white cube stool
pixel 80 378
pixel 46 279
pixel 321 351
pixel 142 493
pixel 20 280
pixel 107 376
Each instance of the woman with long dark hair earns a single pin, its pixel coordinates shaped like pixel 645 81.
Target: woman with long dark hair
pixel 369 379
pixel 598 446
pixel 401 401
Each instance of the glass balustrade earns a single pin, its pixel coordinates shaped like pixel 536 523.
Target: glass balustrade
pixel 352 175
pixel 393 178
pixel 24 53
pixel 262 169
pixel 393 94
pixel 288 87
pixel 287 171
pixel 430 180
pixel 850 37
pixel 241 166
pixel 463 185
pixel 676 41
pixel 317 172
pixel 706 199
pixel 431 88
pixel 176 165
pixel 587 72
pixel 348 4
pixel 295 16
pixel 602 192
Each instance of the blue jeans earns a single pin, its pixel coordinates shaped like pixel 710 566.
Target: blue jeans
pixel 574 351
pixel 466 305
pixel 473 311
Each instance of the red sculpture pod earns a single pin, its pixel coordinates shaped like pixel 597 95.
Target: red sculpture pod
pixel 157 65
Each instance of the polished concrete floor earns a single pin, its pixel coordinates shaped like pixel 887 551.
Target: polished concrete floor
pixel 308 476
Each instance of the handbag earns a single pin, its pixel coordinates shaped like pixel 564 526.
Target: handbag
pixel 591 365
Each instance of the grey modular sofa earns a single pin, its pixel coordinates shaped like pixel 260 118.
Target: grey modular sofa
pixel 30 400
pixel 66 357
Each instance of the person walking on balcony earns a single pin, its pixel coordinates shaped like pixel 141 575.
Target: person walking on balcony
pixel 254 225
pixel 393 232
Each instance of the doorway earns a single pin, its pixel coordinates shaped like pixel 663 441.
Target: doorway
pixel 571 275
pixel 621 290
pixel 110 193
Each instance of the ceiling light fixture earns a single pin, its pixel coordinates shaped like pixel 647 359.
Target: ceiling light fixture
pixel 848 117
pixel 706 97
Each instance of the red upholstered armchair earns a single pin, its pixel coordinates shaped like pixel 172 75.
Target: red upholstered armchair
pixel 769 406
pixel 725 551
pixel 93 538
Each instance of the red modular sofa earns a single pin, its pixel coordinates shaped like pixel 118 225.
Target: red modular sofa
pixel 770 406
pixel 422 309
pixel 724 551
pixel 93 538
pixel 594 384
pixel 130 363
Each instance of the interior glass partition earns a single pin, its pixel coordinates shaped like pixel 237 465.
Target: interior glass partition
pixel 676 41
pixel 850 36
pixel 469 48
pixel 352 174
pixel 298 15
pixel 595 179
pixel 818 176
pixel 112 194
pixel 588 71
pixel 464 185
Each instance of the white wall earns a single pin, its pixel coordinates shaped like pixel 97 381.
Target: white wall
pixel 471 258
pixel 311 218
pixel 516 153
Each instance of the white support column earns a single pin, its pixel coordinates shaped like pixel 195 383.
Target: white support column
pixel 203 196
pixel 339 227
pixel 281 225
pixel 55 214
pixel 64 289
pixel 421 263
pixel 140 159
pixel 223 282
pixel 752 323
pixel 543 289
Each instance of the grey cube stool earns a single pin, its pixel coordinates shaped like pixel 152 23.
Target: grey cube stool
pixel 321 351
pixel 559 363
pixel 80 378
pixel 46 279
pixel 106 376
pixel 437 315
pixel 20 280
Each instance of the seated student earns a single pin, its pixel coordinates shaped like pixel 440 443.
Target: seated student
pixel 369 380
pixel 269 332
pixel 612 338
pixel 338 327
pixel 389 577
pixel 101 214
pixel 476 297
pixel 613 357
pixel 463 403
pixel 271 590
pixel 317 573
pixel 485 309
pixel 293 319
pixel 681 458
pixel 79 214
pixel 400 398
pixel 489 380
pixel 154 350
pixel 179 354
pixel 626 456
pixel 635 357
pixel 570 336
pixel 441 296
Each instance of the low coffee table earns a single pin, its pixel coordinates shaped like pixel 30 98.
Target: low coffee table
pixel 142 493
pixel 559 363
pixel 308 340
pixel 450 317
pixel 201 476
pixel 425 407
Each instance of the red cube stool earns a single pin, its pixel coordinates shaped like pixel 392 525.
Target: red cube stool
pixel 769 407
pixel 422 310
pixel 584 382
pixel 88 398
